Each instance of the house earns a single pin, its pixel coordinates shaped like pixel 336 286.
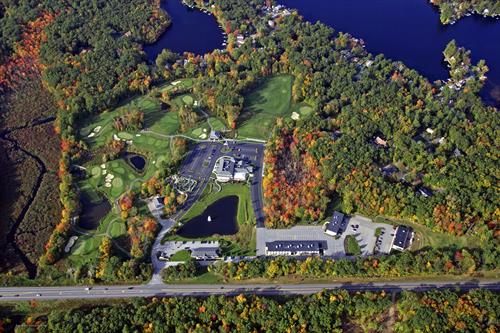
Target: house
pixel 295 248
pixel 215 135
pixel 403 238
pixel 380 142
pixel 270 23
pixel 204 253
pixel 240 39
pixel 334 227
pixel 425 192
pixel 156 204
pixel 224 169
pixel 388 170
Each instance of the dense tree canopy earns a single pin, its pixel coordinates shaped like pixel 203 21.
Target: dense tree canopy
pixel 328 311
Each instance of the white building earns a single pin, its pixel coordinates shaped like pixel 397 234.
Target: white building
pixel 227 169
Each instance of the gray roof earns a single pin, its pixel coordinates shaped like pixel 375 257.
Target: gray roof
pixel 306 245
pixel 403 236
pixel 205 252
pixel 336 223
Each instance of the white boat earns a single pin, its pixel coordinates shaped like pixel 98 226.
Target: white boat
pixel 209 218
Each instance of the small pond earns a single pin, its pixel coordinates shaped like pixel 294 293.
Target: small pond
pixel 92 212
pixel 223 220
pixel 136 161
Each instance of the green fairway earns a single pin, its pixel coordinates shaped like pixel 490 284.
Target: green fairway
pixel 271 99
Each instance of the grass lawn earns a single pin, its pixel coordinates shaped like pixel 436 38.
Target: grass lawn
pixel 271 99
pixel 204 278
pixel 351 246
pixel 425 237
pixel 182 255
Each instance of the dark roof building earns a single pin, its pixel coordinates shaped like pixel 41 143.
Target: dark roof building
pixel 403 238
pixel 425 192
pixel 334 227
pixel 205 253
pixel 295 248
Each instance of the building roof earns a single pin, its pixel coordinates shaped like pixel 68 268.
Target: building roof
pixel 224 166
pixel 425 192
pixel 205 252
pixel 336 223
pixel 215 135
pixel 160 200
pixel 403 236
pixel 297 246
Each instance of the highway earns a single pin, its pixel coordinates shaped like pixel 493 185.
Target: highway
pixel 127 291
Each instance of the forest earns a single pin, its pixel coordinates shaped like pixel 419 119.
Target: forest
pixel 326 311
pixel 424 263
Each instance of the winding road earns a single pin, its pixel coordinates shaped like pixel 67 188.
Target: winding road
pixel 201 290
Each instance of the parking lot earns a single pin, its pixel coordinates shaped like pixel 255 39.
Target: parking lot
pixel 363 229
pixel 200 162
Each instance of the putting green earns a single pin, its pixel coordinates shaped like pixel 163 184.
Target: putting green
pixel 95 171
pixel 117 182
pixel 197 131
pixel 125 136
pixel 305 110
pixel 119 170
pixel 188 99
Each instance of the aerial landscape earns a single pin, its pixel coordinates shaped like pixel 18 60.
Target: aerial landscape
pixel 249 166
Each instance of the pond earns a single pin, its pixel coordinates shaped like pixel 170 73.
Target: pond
pixel 136 161
pixel 223 220
pixel 92 212
pixel 191 30
pixel 410 31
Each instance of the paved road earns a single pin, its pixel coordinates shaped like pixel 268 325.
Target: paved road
pixel 48 293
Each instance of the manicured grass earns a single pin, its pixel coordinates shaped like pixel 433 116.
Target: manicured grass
pixel 205 278
pixel 182 255
pixel 271 99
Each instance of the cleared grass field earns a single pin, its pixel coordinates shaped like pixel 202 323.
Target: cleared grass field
pixel 271 99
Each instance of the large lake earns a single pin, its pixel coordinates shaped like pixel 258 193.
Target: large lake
pixel 191 30
pixel 410 31
pixel 406 30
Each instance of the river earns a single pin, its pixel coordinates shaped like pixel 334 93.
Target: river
pixel 410 31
